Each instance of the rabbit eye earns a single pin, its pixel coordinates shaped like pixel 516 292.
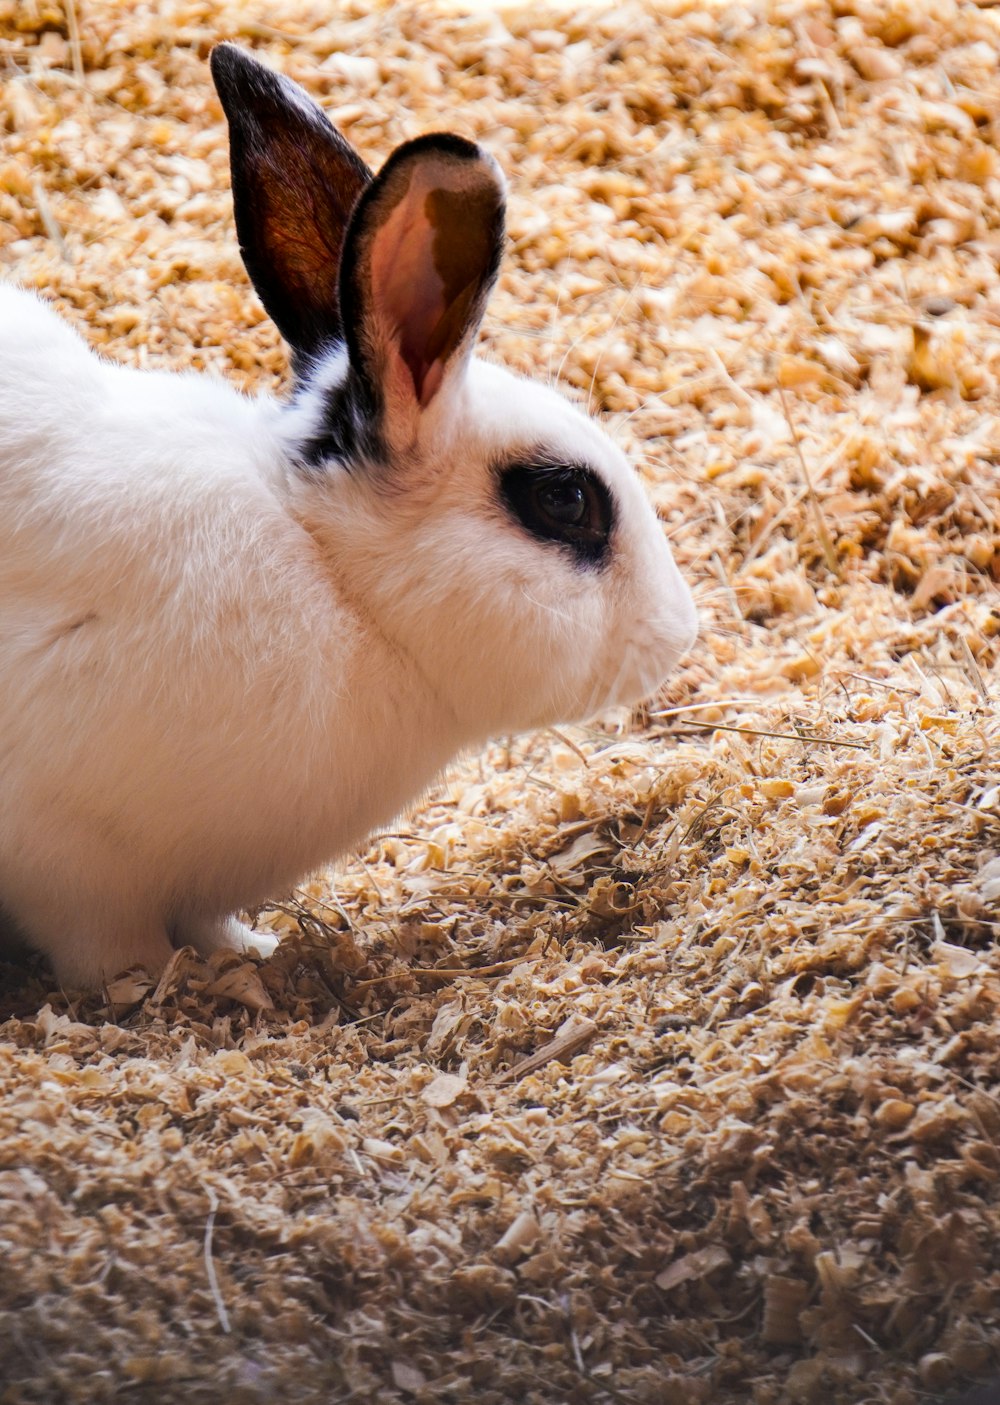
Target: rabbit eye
pixel 563 504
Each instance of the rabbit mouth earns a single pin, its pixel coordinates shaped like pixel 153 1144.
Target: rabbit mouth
pixel 643 666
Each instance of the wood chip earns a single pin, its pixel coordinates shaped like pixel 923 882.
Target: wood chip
pixel 574 1035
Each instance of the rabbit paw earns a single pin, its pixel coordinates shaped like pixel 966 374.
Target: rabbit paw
pixel 208 934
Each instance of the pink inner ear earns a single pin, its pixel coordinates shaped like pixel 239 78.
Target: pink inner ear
pixel 407 290
pixel 429 260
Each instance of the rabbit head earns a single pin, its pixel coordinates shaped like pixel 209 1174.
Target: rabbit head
pixel 493 532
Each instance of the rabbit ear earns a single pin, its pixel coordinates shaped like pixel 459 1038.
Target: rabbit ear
pixel 422 253
pixel 295 182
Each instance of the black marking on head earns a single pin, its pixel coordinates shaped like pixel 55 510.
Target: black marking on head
pixel 566 504
pixel 347 429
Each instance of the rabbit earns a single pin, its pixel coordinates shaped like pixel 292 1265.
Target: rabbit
pixel 238 635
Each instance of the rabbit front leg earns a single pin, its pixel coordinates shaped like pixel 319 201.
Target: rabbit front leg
pixel 208 934
pixel 87 951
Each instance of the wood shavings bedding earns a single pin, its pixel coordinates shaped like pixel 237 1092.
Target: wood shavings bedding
pixel 656 1060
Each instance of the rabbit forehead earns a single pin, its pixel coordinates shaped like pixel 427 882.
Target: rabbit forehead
pixel 506 419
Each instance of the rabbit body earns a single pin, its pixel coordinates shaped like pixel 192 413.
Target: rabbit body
pixel 184 684
pixel 237 635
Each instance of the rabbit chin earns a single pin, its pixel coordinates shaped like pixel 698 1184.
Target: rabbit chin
pixel 541 679
pixel 635 674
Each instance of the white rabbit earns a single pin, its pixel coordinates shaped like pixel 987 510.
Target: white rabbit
pixel 237 635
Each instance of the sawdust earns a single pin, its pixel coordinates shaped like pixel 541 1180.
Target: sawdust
pixel 653 1061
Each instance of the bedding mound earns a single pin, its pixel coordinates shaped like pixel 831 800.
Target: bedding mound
pixel 653 1061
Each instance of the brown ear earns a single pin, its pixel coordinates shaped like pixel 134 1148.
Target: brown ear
pixel 295 182
pixel 422 253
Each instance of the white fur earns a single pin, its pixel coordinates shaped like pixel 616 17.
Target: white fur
pixel 218 672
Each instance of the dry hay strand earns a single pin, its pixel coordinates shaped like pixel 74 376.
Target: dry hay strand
pixel 655 1060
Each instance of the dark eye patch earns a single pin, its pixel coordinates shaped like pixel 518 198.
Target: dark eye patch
pixel 567 504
